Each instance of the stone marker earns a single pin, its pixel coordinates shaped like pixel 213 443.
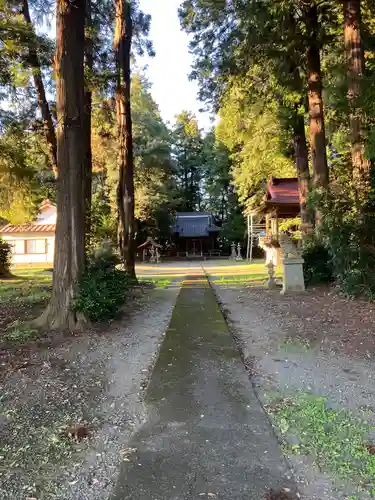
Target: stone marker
pixel 293 275
pixel 238 256
pixel 292 266
pixel 233 255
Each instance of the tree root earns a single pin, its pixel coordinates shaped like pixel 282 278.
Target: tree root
pixel 51 319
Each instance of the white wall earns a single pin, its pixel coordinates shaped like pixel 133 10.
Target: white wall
pixel 47 216
pixel 32 258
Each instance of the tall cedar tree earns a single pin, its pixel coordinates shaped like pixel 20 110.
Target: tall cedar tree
pixel 49 129
pixel 355 69
pixel 237 40
pixel 301 155
pixel 125 187
pixel 315 101
pixel 301 151
pixel 69 259
pixel 87 119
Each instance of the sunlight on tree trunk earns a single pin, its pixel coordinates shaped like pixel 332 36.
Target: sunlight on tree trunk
pixel 69 245
pixel 87 120
pixel 125 188
pixel 45 111
pixel 355 68
pixel 303 172
pixel 315 102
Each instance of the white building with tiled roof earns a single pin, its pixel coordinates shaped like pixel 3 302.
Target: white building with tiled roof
pixel 33 242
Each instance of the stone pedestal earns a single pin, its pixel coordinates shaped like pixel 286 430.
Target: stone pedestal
pixel 239 256
pixel 233 254
pixel 293 279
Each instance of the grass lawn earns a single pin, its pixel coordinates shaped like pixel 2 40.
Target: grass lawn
pixel 157 281
pixel 336 441
pixel 24 295
pixel 252 274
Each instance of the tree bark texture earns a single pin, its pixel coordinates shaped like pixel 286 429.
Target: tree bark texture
pixel 89 64
pixel 69 259
pixel 49 129
pixel 301 152
pixel 303 172
pixel 125 188
pixel 355 68
pixel 315 102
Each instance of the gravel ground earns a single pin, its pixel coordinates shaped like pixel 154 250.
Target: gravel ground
pixel 300 344
pixel 96 380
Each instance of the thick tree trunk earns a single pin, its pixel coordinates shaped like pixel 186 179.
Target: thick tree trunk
pixel 301 152
pixel 69 244
pixel 48 126
pixel 315 103
pixel 125 188
pixel 303 172
pixel 355 62
pixel 89 63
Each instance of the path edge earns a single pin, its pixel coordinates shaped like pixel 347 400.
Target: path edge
pixel 239 349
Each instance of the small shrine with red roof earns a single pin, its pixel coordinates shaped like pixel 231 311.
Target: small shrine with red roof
pixel 280 202
pixel 33 242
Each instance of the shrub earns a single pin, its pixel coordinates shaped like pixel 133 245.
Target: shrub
pixel 103 225
pixel 317 266
pixel 103 288
pixel 292 226
pixel 348 233
pixel 5 258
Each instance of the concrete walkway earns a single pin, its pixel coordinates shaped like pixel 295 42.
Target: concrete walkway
pixel 207 435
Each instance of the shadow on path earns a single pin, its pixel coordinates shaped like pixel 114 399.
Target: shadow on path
pixel 206 435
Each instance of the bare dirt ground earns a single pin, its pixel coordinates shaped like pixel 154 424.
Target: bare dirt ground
pixel 302 348
pixel 93 379
pixel 319 344
pixel 326 319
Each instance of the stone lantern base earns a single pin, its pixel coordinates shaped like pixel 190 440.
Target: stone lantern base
pixel 293 281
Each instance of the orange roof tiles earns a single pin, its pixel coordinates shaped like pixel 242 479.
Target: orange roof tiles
pixel 28 228
pixel 283 191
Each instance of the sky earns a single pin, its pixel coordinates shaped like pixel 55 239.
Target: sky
pixel 168 71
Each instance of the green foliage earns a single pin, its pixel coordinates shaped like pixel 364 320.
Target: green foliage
pixel 250 63
pixel 17 39
pixel 153 168
pixel 103 289
pixel 5 258
pixel 21 162
pixel 20 334
pixel 234 229
pixel 253 134
pixel 293 226
pixel 334 439
pixel 317 267
pixel 218 191
pixel 348 233
pixel 103 220
pixel 188 154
